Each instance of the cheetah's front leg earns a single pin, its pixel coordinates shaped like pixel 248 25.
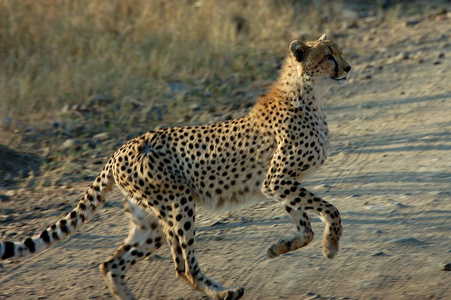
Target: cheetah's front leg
pixel 297 199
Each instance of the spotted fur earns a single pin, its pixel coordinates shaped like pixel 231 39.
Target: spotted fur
pixel 266 154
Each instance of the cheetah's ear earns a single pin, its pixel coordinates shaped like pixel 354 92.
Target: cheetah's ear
pixel 298 49
pixel 323 37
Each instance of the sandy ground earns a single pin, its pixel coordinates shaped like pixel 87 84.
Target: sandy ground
pixel 389 173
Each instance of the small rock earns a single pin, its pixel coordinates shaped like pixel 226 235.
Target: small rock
pixel 102 136
pixel 366 105
pixel 8 211
pixel 412 22
pixel 67 108
pixel 4 198
pixel 70 144
pixel 99 100
pixel 441 55
pixel 402 56
pixel 380 253
pixel 399 204
pixel 10 193
pixel 408 241
pixel 10 234
pixel 445 267
pixel 366 76
pixel 6 219
pixel 196 107
pixel 311 294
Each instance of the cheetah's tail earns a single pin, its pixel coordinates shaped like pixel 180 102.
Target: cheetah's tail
pixel 83 212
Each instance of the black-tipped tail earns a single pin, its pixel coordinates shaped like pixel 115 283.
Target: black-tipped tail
pixel 84 211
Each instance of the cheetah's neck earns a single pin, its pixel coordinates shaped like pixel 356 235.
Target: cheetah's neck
pixel 298 89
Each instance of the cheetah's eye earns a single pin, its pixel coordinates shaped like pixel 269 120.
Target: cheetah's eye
pixel 330 57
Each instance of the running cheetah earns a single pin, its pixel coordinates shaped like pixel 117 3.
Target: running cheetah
pixel 163 174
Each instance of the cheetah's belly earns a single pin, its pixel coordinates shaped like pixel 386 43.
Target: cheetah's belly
pixel 245 194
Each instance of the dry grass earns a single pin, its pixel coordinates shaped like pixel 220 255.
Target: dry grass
pixel 56 52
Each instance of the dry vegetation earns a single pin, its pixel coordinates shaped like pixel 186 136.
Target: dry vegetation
pixel 59 52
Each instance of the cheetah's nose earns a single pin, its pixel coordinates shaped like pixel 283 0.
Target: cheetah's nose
pixel 347 69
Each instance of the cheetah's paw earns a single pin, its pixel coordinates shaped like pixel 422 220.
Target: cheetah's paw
pixel 232 293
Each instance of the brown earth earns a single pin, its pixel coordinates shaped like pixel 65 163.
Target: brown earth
pixel 389 173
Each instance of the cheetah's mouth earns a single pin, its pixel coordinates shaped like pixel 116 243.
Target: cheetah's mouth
pixel 341 79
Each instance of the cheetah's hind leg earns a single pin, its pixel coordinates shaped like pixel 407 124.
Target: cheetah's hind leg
pixel 180 236
pixel 144 238
pixel 301 239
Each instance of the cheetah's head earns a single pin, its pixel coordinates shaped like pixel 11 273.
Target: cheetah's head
pixel 321 61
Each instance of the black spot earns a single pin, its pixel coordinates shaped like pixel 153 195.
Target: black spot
pixel 30 245
pixel 55 236
pixel 289 245
pixel 9 250
pixel 187 225
pixel 63 226
pixel 45 236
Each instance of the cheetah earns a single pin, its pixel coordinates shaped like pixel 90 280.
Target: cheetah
pixel 163 174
